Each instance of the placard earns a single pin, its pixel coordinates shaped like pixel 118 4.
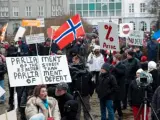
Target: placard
pixel 23 71
pixel 54 69
pixel 19 33
pixel 108 34
pixel 12 115
pixel 31 23
pixel 2 91
pixel 42 24
pixel 125 29
pixel 35 38
pixel 136 38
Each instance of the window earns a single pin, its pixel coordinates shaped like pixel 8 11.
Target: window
pixel 28 11
pixel 15 11
pixel 143 26
pixel 131 8
pixel 98 13
pixel 3 11
pixel 40 11
pixel 85 13
pixel 134 25
pixel 142 7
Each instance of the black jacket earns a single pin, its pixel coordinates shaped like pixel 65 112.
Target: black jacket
pixel 119 73
pixel 132 66
pixel 12 51
pixel 62 100
pixel 106 87
pixel 156 80
pixel 82 82
pixel 3 70
pixel 136 94
pixel 156 102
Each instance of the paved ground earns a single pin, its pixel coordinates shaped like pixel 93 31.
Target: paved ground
pixel 94 103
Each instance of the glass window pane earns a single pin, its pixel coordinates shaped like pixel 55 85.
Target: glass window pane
pixel 111 6
pixel 92 6
pixel 104 7
pixel 91 13
pixel 98 13
pixel 105 13
pixel 118 5
pixel 97 0
pixel 118 12
pixel 85 6
pixel 79 6
pixel 111 12
pixel 79 12
pixel 85 13
pixel 98 6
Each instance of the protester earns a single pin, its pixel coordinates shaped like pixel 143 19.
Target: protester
pixel 132 65
pixel 119 72
pixel 138 53
pixel 70 110
pixel 95 61
pixel 82 85
pixel 152 68
pixel 156 103
pixel 136 96
pixel 62 96
pixel 106 88
pixel 40 105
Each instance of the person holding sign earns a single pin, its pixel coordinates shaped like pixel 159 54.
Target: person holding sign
pixel 42 107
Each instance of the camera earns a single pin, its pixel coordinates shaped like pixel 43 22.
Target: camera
pixel 145 79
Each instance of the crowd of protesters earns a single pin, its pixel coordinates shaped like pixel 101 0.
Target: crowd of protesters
pixel 114 76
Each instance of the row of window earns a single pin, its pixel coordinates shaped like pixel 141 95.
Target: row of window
pixel 91 1
pixel 132 8
pixel 142 25
pixel 56 11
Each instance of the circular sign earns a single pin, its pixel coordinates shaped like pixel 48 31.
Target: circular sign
pixel 126 29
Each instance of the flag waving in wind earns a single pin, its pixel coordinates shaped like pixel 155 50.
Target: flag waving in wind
pixel 3 31
pixel 69 31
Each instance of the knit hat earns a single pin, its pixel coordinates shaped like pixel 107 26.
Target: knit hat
pixel 96 47
pixel 62 86
pixel 151 66
pixel 106 66
pixel 143 59
pixel 131 53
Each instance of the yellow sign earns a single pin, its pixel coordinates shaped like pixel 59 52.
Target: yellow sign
pixel 35 23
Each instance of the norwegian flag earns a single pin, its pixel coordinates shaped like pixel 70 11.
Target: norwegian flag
pixel 69 31
pixel 156 36
pixel 3 31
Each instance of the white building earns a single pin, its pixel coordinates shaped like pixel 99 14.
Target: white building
pixel 136 12
pixel 13 11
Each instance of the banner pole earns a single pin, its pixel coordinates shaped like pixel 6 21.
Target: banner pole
pixel 6 115
pixel 51 43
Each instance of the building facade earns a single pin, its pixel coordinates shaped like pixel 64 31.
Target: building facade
pixel 13 11
pixel 136 12
pixel 95 11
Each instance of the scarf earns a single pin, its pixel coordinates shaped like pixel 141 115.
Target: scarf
pixel 45 102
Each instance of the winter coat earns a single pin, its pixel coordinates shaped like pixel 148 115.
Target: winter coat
pixel 132 65
pixel 106 87
pixel 156 80
pixel 12 51
pixel 119 73
pixel 35 104
pixel 2 71
pixel 136 94
pixel 24 48
pixel 95 63
pixel 62 100
pixel 156 102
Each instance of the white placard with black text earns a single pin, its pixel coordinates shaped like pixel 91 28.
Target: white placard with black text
pixel 35 38
pixel 19 33
pixel 108 34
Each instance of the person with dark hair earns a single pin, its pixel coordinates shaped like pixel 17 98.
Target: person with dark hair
pixel 42 107
pixel 70 110
pixel 106 88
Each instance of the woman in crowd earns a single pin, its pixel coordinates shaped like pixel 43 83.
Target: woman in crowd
pixel 41 107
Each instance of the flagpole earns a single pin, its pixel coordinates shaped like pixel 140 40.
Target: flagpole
pixel 51 43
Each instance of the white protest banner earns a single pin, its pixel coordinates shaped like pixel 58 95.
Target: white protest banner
pixel 136 38
pixel 125 29
pixel 42 24
pixel 2 91
pixel 23 71
pixel 35 38
pixel 108 34
pixel 12 115
pixel 19 33
pixel 54 69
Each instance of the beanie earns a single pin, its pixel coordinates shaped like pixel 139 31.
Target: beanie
pixel 151 66
pixel 131 53
pixel 143 59
pixel 106 66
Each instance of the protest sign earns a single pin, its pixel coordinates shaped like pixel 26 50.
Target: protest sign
pixel 42 24
pixel 125 29
pixel 2 91
pixel 54 69
pixel 19 33
pixel 23 71
pixel 55 27
pixel 31 23
pixel 35 38
pixel 108 34
pixel 136 38
pixel 9 115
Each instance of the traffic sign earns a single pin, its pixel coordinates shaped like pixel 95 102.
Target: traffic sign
pixel 125 29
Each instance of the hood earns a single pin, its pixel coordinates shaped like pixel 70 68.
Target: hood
pixel 152 66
